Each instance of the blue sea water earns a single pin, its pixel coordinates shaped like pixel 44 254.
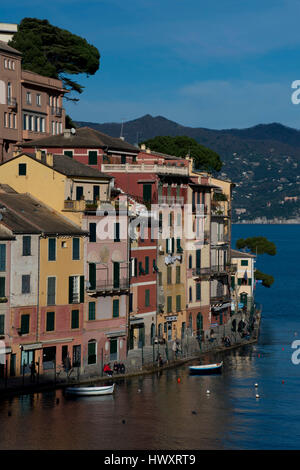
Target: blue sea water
pixel 159 412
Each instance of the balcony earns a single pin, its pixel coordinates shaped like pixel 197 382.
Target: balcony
pixel 198 272
pixel 56 111
pixel 144 168
pixel 218 269
pixel 199 209
pixel 231 268
pixel 109 286
pixel 219 297
pixel 11 102
pixel 74 206
pixel 221 240
pixel 171 200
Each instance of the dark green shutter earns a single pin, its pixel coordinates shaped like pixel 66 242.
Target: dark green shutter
pixel 2 317
pixel 115 308
pixel 116 275
pixel 68 153
pixel 81 289
pixel 50 321
pixel 26 245
pixel 239 281
pixel 92 157
pixel 92 310
pixel 178 303
pixel 147 298
pixel 92 353
pixel 2 286
pixel 198 258
pixel 177 274
pixel 70 289
pixel 198 291
pixel 244 262
pixel 92 232
pixel 51 249
pixel 249 281
pixel 75 319
pixel 147 190
pixel 22 169
pixel 169 304
pixel 173 245
pixel 25 324
pixel 232 282
pixel 2 257
pixel 76 248
pixel 92 275
pixel 117 232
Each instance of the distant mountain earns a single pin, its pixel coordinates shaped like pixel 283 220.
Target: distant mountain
pixel 262 160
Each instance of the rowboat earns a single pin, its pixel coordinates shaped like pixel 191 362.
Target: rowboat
pixel 90 391
pixel 207 369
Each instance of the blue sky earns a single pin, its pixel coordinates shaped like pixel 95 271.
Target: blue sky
pixel 218 64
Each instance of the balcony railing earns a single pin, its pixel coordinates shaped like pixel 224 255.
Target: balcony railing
pixel 218 269
pixel 201 271
pixel 76 206
pixel 219 297
pixel 144 168
pixel 199 209
pixel 109 285
pixel 171 200
pixel 11 102
pixel 56 111
pixel 231 268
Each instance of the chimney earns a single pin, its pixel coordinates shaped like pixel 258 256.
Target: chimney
pixel 67 133
pixel 143 147
pixel 38 155
pixel 49 159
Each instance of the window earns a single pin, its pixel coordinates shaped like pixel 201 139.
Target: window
pixel 2 257
pixel 190 262
pixel 92 157
pixel 92 275
pixel 92 357
pixel 79 193
pixel 178 303
pixel 117 232
pixel 51 249
pixel 92 311
pixel 147 192
pixel 25 283
pixel 75 319
pixel 147 297
pixel 68 153
pixel 76 289
pixel 26 245
pixel 232 282
pixel 2 317
pixel 115 308
pixel 22 169
pixel 190 294
pixel 28 97
pixel 93 237
pixel 38 99
pixel 244 262
pixel 51 290
pixel 198 291
pixel 178 275
pixel 42 124
pixel 50 321
pixel 2 286
pixel 169 275
pixel 169 304
pixel 178 246
pixel 25 324
pixel 76 248
pixel 146 264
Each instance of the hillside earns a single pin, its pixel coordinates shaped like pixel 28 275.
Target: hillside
pixel 262 160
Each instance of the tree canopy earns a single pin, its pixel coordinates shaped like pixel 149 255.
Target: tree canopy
pixel 181 146
pixel 257 245
pixel 55 52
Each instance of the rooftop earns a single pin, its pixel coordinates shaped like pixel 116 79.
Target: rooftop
pixel 4 47
pixel 241 254
pixel 22 213
pixel 84 137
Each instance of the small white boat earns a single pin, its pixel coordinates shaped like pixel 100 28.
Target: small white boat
pixel 90 391
pixel 207 369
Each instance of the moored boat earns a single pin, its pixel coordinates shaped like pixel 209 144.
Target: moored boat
pixel 90 391
pixel 207 369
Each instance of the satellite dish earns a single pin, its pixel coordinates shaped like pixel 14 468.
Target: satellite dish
pixel 73 131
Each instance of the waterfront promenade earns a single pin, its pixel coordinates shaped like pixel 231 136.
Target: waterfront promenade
pixel 140 361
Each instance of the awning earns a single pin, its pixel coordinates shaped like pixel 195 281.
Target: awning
pixel 115 334
pixel 136 321
pixel 221 306
pixel 31 347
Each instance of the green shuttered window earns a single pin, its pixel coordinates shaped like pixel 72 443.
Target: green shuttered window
pixel 2 257
pixel 76 248
pixel 51 249
pixel 50 320
pixel 115 308
pixel 92 310
pixel 93 157
pixel 25 324
pixel 75 319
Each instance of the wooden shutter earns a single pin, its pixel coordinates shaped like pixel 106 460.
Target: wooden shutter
pixel 92 310
pixel 76 248
pixel 2 317
pixel 2 286
pixel 115 308
pixel 116 275
pixel 177 274
pixel 52 249
pixel 81 289
pixel 50 321
pixel 92 157
pixel 2 257
pixel 93 237
pixel 92 275
pixel 75 319
pixel 169 304
pixel 25 324
pixel 51 291
pixel 178 303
